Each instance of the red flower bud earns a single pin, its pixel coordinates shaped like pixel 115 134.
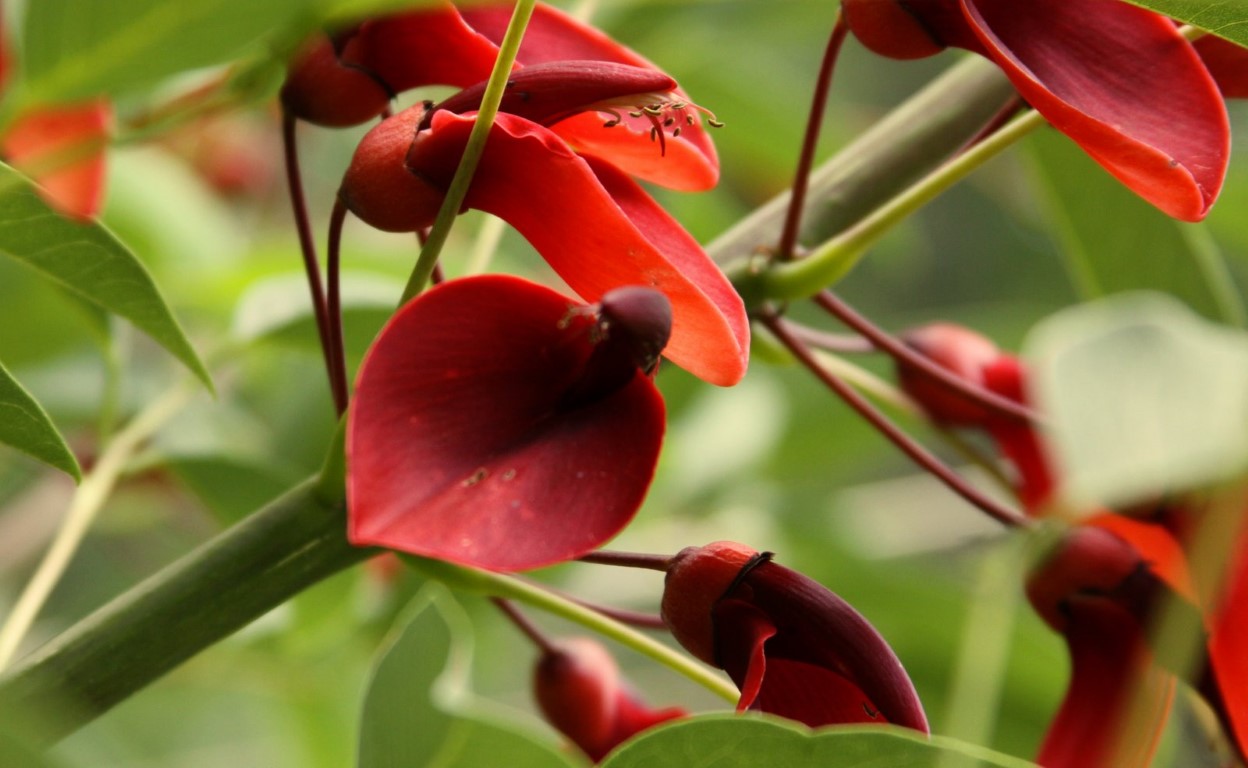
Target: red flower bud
pixel 965 353
pixel 793 647
pixel 579 689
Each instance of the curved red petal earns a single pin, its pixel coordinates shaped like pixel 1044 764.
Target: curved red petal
pixel 690 162
pixel 459 448
pixel 598 230
pixel 1156 545
pixel 1124 84
pixel 741 635
pixel 431 46
pixel 64 148
pixel 1109 663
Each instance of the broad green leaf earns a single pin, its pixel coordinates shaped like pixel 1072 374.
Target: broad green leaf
pixel 1113 241
pixel 1144 398
pixel 78 48
pixel 1225 18
pixel 732 741
pixel 88 260
pixel 25 426
pixel 416 709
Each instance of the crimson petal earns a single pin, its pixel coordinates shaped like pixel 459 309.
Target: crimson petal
pixel 1228 643
pixel 599 230
pixel 460 448
pixel 1124 84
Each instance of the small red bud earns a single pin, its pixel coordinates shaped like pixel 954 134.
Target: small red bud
pixel 640 318
pixel 320 89
pixel 379 188
pixel 890 29
pixel 696 580
pixel 965 353
pixel 1088 561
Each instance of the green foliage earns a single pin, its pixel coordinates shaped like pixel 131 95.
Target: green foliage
pixel 1225 18
pixel 1145 399
pixel 417 711
pixel 730 741
pixel 25 426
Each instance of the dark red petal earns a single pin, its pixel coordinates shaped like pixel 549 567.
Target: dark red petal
pixel 1227 62
pixel 379 189
pixel 741 634
pixel 1156 546
pixel 321 89
pixel 1124 84
pixel 599 230
pixel 458 446
pixel 690 162
pixel 1019 441
pixel 897 29
pixel 1109 664
pixel 431 46
pixel 816 627
pixel 71 140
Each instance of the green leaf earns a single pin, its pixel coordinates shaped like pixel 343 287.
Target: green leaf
pixel 732 741
pixel 78 48
pixel 1114 242
pixel 25 426
pixel 1144 398
pixel 88 260
pixel 416 710
pixel 1225 18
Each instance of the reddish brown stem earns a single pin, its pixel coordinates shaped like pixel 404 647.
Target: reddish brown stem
pixel 880 422
pixel 898 350
pixel 814 125
pixel 338 372
pixel 838 343
pixel 522 623
pixel 628 560
pixel 307 246
pixel 1007 112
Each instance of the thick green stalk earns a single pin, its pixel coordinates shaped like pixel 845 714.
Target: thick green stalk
pixel 286 546
pixel 896 151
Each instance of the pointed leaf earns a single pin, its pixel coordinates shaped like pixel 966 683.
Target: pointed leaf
pixel 416 709
pixel 723 741
pixel 79 48
pixel 25 426
pixel 88 260
pixel 1113 241
pixel 1228 18
pixel 1144 398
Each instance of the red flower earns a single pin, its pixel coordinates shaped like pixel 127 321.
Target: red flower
pixel 794 648
pixel 1119 80
pixel 580 691
pixel 498 424
pixel 597 228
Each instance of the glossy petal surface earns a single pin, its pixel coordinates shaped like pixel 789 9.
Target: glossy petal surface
pixel 460 448
pixel 609 233
pixel 1124 85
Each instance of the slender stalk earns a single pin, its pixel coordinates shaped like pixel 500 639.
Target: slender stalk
pixel 838 343
pixel 512 588
pixel 307 246
pixel 458 189
pixel 629 560
pixel 814 126
pixel 834 258
pixel 916 452
pixel 898 350
pixel 88 499
pixel 220 587
pixel 528 628
pixel 333 309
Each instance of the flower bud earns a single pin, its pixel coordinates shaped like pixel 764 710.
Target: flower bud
pixel 964 353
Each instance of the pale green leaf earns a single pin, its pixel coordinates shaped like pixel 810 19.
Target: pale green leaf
pixel 1113 241
pixel 732 741
pixel 1143 398
pixel 417 711
pixel 25 426
pixel 1225 18
pixel 89 261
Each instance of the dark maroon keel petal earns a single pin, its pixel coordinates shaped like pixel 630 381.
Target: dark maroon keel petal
pixel 741 635
pixel 458 447
pixel 1124 84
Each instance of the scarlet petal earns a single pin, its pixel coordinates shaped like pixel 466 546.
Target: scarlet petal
pixel 598 230
pixel 1109 663
pixel 1124 84
pixel 432 46
pixel 1228 645
pixel 64 148
pixel 458 445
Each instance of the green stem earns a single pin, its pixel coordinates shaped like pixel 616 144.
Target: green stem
pixel 88 499
pixel 834 258
pixel 286 546
pixel 458 189
pixel 512 588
